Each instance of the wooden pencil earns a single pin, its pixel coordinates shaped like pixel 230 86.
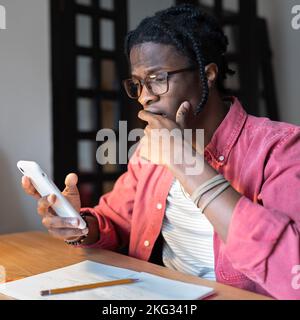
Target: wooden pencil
pixel 87 286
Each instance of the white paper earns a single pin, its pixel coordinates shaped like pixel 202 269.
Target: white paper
pixel 149 287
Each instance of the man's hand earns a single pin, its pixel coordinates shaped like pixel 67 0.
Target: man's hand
pixel 61 228
pixel 163 140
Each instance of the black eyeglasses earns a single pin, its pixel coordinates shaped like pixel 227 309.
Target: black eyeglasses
pixel 157 83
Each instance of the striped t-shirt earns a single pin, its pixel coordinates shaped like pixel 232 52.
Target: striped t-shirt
pixel 188 236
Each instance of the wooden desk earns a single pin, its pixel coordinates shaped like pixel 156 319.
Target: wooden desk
pixel 31 253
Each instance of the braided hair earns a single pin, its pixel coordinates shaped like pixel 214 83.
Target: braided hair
pixel 195 34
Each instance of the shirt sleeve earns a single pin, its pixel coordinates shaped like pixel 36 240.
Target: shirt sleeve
pixel 264 238
pixel 114 209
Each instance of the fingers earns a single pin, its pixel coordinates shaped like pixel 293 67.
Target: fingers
pixel 60 228
pixel 182 113
pixel 63 228
pixel 29 188
pixel 55 222
pixel 67 234
pixel 148 116
pixel 44 204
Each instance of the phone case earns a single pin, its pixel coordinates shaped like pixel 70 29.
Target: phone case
pixel 46 186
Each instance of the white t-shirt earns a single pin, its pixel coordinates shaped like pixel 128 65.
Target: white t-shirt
pixel 188 236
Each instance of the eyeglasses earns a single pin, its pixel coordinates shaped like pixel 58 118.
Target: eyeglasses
pixel 157 84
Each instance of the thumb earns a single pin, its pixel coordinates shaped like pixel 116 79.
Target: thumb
pixel 182 113
pixel 71 191
pixel 71 185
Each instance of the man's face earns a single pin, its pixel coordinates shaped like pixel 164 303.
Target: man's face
pixel 149 59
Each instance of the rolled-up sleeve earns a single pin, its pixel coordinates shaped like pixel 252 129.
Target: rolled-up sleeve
pixel 114 210
pixel 264 237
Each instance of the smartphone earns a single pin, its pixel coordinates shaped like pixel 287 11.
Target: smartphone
pixel 45 186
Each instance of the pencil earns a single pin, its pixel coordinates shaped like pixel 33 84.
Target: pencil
pixel 88 286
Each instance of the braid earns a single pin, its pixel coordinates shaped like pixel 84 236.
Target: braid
pixel 192 32
pixel 203 78
pixel 199 60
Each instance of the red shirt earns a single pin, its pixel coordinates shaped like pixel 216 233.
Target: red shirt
pixel 261 160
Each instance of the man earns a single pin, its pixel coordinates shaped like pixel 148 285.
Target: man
pixel 237 221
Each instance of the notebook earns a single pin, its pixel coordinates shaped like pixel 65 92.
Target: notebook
pixel 149 287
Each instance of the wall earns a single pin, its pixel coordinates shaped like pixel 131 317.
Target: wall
pixel 25 120
pixel 139 9
pixel 25 92
pixel 285 43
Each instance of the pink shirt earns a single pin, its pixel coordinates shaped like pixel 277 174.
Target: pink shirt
pixel 261 160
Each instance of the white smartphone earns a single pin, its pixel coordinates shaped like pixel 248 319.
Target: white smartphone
pixel 45 186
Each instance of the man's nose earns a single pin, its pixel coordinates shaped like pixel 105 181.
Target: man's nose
pixel 146 98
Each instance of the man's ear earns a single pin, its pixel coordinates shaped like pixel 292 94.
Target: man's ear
pixel 211 71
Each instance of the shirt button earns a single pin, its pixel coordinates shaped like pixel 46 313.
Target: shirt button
pixel 146 243
pixel 159 206
pixel 221 158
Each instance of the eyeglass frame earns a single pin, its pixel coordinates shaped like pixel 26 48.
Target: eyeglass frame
pixel 142 82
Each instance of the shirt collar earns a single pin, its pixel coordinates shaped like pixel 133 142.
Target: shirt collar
pixel 226 134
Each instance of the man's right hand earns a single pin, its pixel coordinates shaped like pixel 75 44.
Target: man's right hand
pixel 61 228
